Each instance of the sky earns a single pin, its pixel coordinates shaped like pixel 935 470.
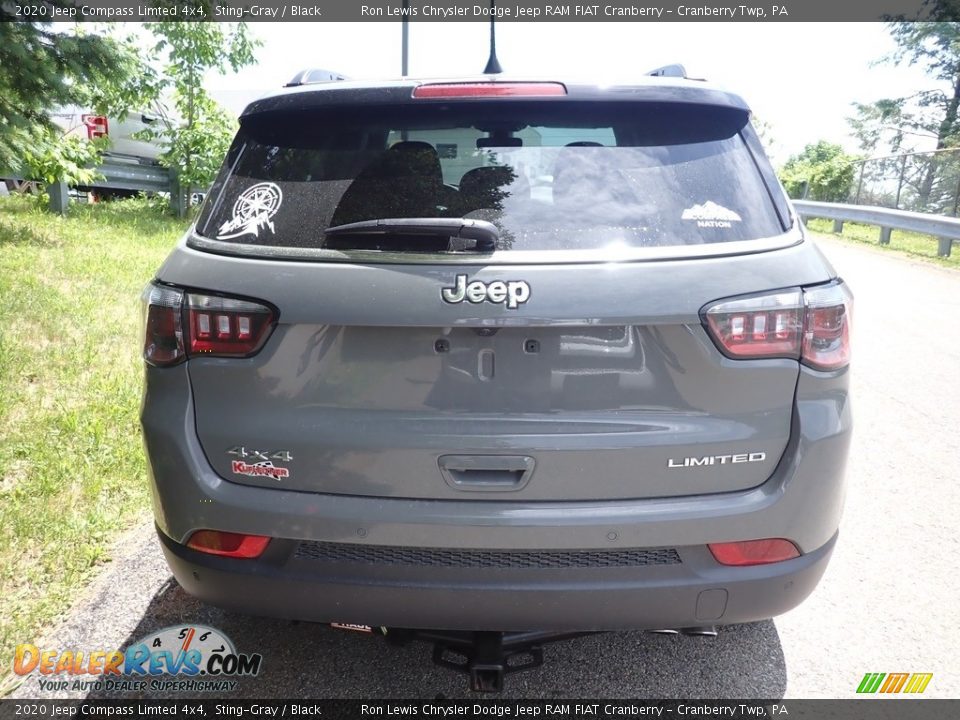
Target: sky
pixel 800 78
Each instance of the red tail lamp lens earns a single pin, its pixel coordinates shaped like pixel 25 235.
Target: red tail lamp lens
pixel 162 332
pixel 97 126
pixel 754 552
pixel 228 544
pixel 758 327
pixel 178 325
pixel 810 324
pixel 826 327
pixel 226 327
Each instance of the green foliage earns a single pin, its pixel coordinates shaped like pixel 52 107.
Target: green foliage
pixel 49 158
pixel 931 114
pixel 191 49
pixel 823 169
pixel 44 68
pixel 73 471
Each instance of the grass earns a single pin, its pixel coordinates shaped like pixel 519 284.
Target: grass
pixel 908 243
pixel 72 472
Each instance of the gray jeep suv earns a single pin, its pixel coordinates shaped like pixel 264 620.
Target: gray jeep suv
pixel 493 355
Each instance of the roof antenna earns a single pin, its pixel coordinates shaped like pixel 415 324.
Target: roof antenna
pixel 493 65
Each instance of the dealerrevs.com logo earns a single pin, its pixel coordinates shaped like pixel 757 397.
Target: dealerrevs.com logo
pixel 192 658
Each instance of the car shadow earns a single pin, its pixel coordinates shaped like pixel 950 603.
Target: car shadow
pixel 307 660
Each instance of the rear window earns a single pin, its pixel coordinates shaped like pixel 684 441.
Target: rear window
pixel 547 175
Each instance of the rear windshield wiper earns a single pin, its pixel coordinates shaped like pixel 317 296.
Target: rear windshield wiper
pixel 484 233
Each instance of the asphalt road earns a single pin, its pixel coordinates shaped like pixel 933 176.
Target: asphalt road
pixel 888 603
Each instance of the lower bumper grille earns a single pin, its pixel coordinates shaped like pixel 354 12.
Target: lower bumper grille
pixel 494 559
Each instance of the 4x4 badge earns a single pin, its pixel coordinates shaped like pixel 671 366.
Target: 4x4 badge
pixel 512 292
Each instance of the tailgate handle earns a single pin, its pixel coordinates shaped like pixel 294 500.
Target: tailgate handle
pixel 490 473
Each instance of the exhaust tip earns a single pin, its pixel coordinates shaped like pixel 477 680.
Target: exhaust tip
pixel 702 631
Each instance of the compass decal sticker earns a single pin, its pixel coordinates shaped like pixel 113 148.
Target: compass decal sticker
pixel 253 211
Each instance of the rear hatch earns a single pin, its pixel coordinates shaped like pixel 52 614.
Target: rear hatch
pixel 532 331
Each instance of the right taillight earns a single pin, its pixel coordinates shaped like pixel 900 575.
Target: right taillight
pixel 180 324
pixel 826 326
pixel 808 324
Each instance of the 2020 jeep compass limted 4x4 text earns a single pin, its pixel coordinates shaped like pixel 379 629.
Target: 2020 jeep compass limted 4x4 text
pixel 493 355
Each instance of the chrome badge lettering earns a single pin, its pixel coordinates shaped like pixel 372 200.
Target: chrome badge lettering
pixel 717 460
pixel 513 293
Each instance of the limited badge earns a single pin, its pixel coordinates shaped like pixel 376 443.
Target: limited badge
pixel 711 215
pixel 253 211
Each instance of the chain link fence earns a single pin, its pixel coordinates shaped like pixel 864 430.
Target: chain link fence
pixel 927 182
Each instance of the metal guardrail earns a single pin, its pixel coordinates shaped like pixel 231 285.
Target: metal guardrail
pixel 118 175
pixel 945 229
pixel 134 176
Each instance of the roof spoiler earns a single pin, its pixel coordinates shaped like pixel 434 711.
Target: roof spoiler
pixel 675 70
pixel 315 75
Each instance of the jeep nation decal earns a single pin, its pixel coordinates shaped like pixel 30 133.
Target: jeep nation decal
pixel 513 293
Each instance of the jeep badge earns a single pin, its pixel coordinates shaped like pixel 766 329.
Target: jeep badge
pixel 512 292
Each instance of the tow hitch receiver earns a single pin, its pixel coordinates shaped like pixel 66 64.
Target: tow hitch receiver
pixel 487 657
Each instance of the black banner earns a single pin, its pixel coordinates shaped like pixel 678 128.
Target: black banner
pixel 853 709
pixel 473 10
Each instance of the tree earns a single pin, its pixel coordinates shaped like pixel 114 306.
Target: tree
pixel 189 50
pixel 929 116
pixel 43 69
pixel 822 169
pixel 764 131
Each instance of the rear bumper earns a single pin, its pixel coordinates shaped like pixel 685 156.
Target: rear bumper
pixel 695 591
pixel 801 501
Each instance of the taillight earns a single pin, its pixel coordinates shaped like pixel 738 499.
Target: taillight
pixel 225 326
pixel 760 326
pixel 826 326
pixel 228 544
pixel 811 325
pixel 754 552
pixel 97 126
pixel 489 89
pixel 163 332
pixel 180 324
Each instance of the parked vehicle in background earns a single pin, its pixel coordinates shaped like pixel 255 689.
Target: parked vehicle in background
pixel 121 133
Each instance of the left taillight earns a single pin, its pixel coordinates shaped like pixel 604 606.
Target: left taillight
pixel 180 324
pixel 163 342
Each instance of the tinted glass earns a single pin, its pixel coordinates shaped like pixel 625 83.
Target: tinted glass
pixel 549 175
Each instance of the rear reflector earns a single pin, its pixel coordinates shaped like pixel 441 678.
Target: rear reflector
pixel 179 325
pixel 228 544
pixel 810 324
pixel 489 89
pixel 754 552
